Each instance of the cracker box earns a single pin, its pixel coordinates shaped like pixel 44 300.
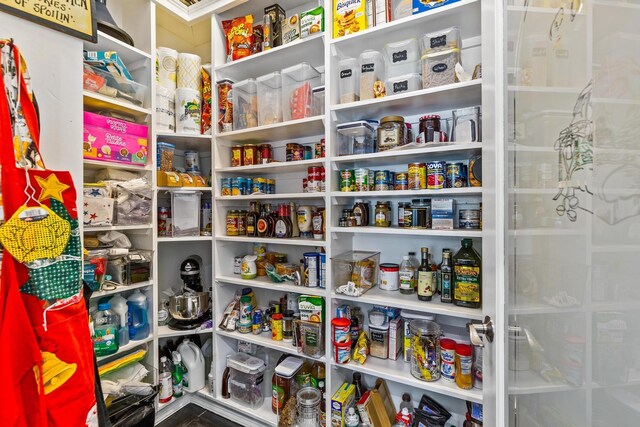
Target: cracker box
pixel 312 22
pixel 341 401
pixel 113 140
pixel 396 337
pixel 291 29
pixel 349 16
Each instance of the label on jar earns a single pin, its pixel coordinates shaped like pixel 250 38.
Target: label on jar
pixel 388 138
pixel 465 365
pixel 467 283
pixel 426 283
pixel 381 219
pixel 367 68
pixel 438 41
pixel 399 56
pixel 401 86
pixel 346 73
pixel 439 68
pixel 406 279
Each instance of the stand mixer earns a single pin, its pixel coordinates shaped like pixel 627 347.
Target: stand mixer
pixel 191 308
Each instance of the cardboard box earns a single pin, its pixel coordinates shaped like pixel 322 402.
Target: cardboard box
pixel 277 14
pixel 377 406
pixel 312 22
pixel 311 308
pixel 113 140
pixel 420 6
pixel 349 17
pixel 106 59
pixel 363 407
pixel 396 337
pixel 381 14
pixel 341 401
pixel 290 29
pixel 442 214
pixel 391 312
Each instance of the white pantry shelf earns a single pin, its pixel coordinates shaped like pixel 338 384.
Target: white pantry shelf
pixel 266 283
pixel 292 129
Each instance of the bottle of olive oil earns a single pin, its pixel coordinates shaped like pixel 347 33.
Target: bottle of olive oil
pixel 467 276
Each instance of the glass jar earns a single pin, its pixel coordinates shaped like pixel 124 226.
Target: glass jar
pixel 425 350
pixel 420 214
pixel 308 406
pixel 383 214
pixel 391 132
pixel 250 155
pixel 401 207
pixel 287 325
pixel 232 222
pixel 430 130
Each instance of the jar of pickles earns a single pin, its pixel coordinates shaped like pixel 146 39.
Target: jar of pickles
pixel 425 349
pixel 391 132
pixel 383 214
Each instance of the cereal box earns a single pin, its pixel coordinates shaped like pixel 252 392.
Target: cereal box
pixel 341 401
pixel 349 16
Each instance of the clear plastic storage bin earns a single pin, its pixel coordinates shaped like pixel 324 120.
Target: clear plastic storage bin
pixel 99 81
pixel 317 101
pixel 405 83
pixel 439 68
pixel 359 267
pixel 437 41
pixel 402 57
pixel 371 64
pixel 245 104
pixel 348 80
pixel 356 138
pixel 246 380
pixel 269 98
pixel 297 82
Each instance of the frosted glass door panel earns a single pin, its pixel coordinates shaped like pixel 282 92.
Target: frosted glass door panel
pixel 573 148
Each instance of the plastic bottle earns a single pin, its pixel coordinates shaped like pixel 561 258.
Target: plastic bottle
pixel 211 379
pixel 407 276
pixel 105 330
pixel 177 375
pixel 119 306
pixel 138 323
pixel 193 359
pixel 404 418
pixel 352 419
pixel 166 381
pixel 406 403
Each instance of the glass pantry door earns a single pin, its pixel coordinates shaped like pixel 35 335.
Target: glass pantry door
pixel 573 221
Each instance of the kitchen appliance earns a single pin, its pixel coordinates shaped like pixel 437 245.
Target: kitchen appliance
pixel 108 25
pixel 190 308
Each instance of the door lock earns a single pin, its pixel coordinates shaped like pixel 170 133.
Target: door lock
pixel 478 330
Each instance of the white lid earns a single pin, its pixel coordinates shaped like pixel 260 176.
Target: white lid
pixel 246 363
pixel 301 72
pixel 414 315
pixel 273 80
pixel 289 366
pixel 354 128
pixel 383 327
pixel 248 85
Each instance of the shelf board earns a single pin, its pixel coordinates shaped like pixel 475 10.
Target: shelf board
pixel 121 288
pixel 96 101
pixel 466 191
pixel 411 302
pixel 266 283
pixel 530 382
pixel 117 228
pixel 186 141
pixel 264 339
pixel 455 95
pixel 292 129
pixel 297 241
pixel 263 413
pixel 408 231
pixel 410 154
pixel 546 232
pixel 129 54
pixel 184 189
pixel 281 196
pixel 273 167
pixel 185 239
pixel 399 371
pixel 97 164
pixel 125 348
pixel 301 50
pixel 165 331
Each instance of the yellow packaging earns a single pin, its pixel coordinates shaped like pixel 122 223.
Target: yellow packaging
pixel 349 16
pixel 341 401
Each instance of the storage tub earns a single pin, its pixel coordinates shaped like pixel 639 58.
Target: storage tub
pixel 439 68
pixel 446 39
pixel 355 138
pixel 297 82
pixel 269 98
pixel 348 80
pixel 113 140
pixel 246 378
pixel 404 83
pixel 245 104
pixel 371 64
pixel 402 57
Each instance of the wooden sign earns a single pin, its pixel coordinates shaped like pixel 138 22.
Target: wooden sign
pixel 73 17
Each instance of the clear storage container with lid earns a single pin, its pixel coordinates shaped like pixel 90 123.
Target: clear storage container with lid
pixel 269 98
pixel 425 350
pixel 372 74
pixel 438 68
pixel 246 379
pixel 348 80
pixel 317 101
pixel 308 406
pixel 355 138
pixel 407 317
pixel 446 39
pixel 245 104
pixel 297 82
pixel 404 83
pixel 379 336
pixel 402 57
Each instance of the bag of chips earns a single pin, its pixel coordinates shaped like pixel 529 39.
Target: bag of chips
pixel 205 120
pixel 239 37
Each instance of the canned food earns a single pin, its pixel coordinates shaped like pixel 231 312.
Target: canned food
pixel 456 176
pixel 308 152
pixel 164 213
pixel 242 186
pixel 233 217
pixel 249 185
pixel 250 155
pixel 314 173
pixel 475 171
pixel 361 179
pixel 401 182
pixel 256 322
pixel 389 277
pixel 436 175
pixel 242 223
pixel 311 269
pixel 319 148
pixel 322 177
pixel 469 219
pixel 266 153
pixel 235 187
pixel 271 186
pixel 305 184
pixel 372 179
pixel 289 152
pixel 163 217
pixel 259 185
pixel 237 152
pixel 417 176
pixel 237 265
pixel 381 180
pixel 347 180
pixel 225 186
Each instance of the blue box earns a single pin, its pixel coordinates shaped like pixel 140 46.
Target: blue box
pixel 420 6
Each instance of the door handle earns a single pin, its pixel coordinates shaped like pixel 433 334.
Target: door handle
pixel 478 330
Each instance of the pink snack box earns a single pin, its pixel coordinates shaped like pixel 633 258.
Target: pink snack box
pixel 112 140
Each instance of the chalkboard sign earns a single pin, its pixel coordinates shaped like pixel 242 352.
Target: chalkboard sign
pixel 73 17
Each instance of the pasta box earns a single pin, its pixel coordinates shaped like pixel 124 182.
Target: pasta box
pixel 113 140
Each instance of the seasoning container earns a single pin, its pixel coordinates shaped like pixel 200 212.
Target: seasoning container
pixel 391 132
pixel 401 208
pixel 246 321
pixel 341 330
pixel 383 214
pixel 425 350
pixel 237 153
pixel 438 68
pixel 379 336
pixel 389 276
pixel 372 69
pixel 276 327
pixel 317 223
pixel 448 355
pixel 287 325
pixel 429 130
pixel 266 153
pixel 464 362
pixel 348 80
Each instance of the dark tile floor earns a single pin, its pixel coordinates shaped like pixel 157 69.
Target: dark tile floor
pixel 193 415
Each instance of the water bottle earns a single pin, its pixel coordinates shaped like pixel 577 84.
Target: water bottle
pixel 138 322
pixel 120 307
pixel 177 374
pixel 105 330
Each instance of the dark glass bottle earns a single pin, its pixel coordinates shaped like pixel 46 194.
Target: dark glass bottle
pixel 252 219
pixel 357 382
pixel 467 276
pixel 426 278
pixel 446 275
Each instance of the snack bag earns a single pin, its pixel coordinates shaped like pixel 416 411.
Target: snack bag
pixel 348 17
pixel 205 116
pixel 225 106
pixel 239 37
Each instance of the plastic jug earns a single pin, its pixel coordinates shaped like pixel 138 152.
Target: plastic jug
pixel 138 323
pixel 119 306
pixel 105 330
pixel 194 361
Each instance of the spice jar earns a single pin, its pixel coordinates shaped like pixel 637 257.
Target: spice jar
pixel 425 350
pixel 464 362
pixel 391 132
pixel 383 214
pixel 448 354
pixel 287 325
pixel 276 327
pixel 250 155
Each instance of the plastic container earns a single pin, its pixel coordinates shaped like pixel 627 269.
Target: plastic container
pixel 377 317
pixel 269 98
pixel 193 359
pixel 94 276
pixel 99 81
pixel 402 57
pixel 317 101
pixel 379 336
pixel 138 320
pixel 120 307
pixel 348 80
pixel 448 38
pixel 356 138
pixel 464 363
pixel 425 350
pixel 283 384
pixel 341 330
pixel 297 82
pixel 467 125
pixel 439 68
pixel 166 153
pixel 403 83
pixel 359 267
pixel 105 330
pixel 245 104
pixel 246 378
pixel 342 352
pixel 448 356
pixel 371 65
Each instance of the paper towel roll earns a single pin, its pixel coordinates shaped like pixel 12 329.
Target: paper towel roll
pixel 189 71
pixel 165 109
pixel 187 111
pixel 166 68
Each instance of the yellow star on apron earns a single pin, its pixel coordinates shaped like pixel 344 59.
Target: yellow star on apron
pixel 51 187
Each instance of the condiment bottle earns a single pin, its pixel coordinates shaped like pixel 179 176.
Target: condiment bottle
pixel 426 278
pixel 406 276
pixel 293 219
pixel 252 219
pixel 446 276
pixel 467 276
pixel 304 221
pixel 283 227
pixel 464 362
pixel 357 382
pixel 317 222
pixel 318 375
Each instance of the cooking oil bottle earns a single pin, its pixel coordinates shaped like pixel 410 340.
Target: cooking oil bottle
pixel 467 276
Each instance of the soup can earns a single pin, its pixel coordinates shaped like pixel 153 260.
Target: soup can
pixel 249 185
pixel 362 179
pixel 233 217
pixel 382 180
pixel 235 187
pixel 237 152
pixel 242 186
pixel 372 179
pixel 416 176
pixel 271 186
pixel 469 219
pixel 225 186
pixel 436 175
pixel 400 181
pixel 456 176
pixel 298 153
pixel 347 180
pixel 308 152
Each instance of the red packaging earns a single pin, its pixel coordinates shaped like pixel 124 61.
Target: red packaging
pixel 300 102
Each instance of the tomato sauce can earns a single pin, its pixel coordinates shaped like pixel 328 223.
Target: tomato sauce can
pixel 436 175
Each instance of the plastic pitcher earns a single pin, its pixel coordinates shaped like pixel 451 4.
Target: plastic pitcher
pixel 120 307
pixel 194 361
pixel 138 322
